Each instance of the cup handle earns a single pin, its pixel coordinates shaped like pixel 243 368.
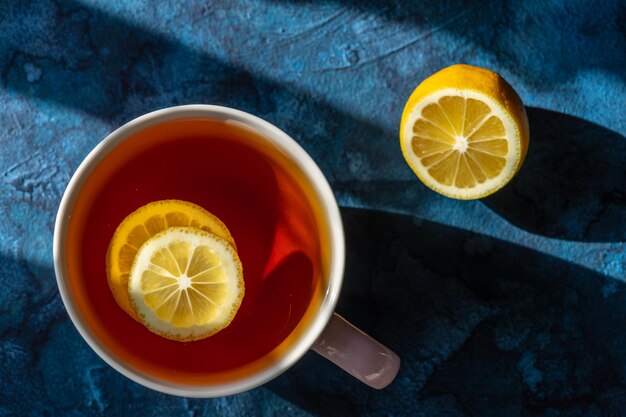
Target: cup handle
pixel 357 353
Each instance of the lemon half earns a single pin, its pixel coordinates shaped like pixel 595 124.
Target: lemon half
pixel 464 132
pixel 186 284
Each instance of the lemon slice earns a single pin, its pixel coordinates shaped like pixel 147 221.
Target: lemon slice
pixel 144 223
pixel 186 284
pixel 464 132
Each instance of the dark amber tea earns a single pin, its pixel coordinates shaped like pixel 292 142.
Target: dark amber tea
pixel 262 198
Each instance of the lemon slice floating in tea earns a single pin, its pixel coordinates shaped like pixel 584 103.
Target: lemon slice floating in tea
pixel 464 132
pixel 144 223
pixel 186 284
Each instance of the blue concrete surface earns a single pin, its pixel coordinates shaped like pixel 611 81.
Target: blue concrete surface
pixel 510 306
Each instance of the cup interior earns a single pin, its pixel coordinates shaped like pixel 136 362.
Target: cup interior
pixel 71 254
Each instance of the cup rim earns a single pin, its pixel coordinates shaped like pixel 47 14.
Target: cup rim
pixel 312 173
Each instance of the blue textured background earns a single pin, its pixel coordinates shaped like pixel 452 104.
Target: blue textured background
pixel 510 306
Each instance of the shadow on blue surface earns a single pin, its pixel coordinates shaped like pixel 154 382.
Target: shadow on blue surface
pixel 30 307
pixel 106 62
pixel 538 41
pixel 573 183
pixel 116 71
pixel 571 186
pixel 483 327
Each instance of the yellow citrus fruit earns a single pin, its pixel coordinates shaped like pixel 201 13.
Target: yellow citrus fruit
pixel 144 223
pixel 464 132
pixel 186 284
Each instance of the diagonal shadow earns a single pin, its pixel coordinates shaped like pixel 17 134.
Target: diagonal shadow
pixel 573 183
pixel 545 44
pixel 450 302
pixel 115 71
pixel 484 327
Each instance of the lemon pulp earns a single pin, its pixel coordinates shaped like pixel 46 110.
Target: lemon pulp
pixel 186 284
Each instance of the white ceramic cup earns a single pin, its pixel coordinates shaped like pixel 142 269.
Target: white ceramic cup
pixel 327 333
